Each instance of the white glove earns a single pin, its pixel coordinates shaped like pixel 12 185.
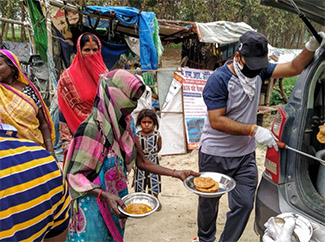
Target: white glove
pixel 277 232
pixel 313 44
pixel 318 232
pixel 265 137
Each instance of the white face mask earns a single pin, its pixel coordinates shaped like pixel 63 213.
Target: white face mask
pixel 248 84
pixel 238 65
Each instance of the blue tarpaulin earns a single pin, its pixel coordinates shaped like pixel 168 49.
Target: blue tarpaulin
pixel 128 16
pixel 111 52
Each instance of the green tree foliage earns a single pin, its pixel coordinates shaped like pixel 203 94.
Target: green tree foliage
pixel 9 9
pixel 288 85
pixel 284 29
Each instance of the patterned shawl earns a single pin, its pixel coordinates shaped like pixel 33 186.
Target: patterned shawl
pixel 78 84
pixel 108 127
pixel 19 110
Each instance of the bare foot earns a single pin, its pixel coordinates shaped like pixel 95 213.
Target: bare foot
pixel 160 206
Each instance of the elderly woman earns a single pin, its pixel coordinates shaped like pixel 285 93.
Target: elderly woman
pixel 77 86
pixel 101 149
pixel 21 104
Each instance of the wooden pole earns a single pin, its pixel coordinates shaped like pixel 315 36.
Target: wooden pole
pixel 23 17
pixel 13 32
pixel 32 39
pixel 184 122
pixel 70 6
pixel 49 45
pixel 175 22
pixel 13 21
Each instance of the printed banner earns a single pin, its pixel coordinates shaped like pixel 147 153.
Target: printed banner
pixel 195 110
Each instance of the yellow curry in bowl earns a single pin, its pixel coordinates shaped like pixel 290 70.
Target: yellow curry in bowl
pixel 137 208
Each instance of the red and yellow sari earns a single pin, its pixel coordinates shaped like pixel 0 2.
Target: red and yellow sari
pixel 77 86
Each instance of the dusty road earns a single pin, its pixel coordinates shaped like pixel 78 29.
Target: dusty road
pixel 177 219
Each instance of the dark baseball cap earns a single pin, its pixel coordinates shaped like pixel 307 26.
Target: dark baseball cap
pixel 253 46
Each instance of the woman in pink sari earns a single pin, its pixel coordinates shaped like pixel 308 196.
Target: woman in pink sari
pixel 77 86
pixel 21 104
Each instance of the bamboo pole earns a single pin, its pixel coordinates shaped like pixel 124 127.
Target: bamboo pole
pixel 14 21
pixel 72 7
pixel 175 22
pixel 32 39
pixel 69 6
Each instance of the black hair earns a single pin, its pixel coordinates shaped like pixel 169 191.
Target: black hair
pixel 11 65
pixel 147 113
pixel 86 38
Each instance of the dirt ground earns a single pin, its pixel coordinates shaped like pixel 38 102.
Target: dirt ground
pixel 177 219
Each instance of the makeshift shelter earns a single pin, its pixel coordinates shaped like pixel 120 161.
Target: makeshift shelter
pixel 69 21
pixel 126 29
pixel 206 46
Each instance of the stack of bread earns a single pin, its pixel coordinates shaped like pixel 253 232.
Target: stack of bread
pixel 206 184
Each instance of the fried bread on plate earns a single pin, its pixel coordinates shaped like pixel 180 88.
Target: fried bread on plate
pixel 206 184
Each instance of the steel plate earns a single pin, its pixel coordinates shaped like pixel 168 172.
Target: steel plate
pixel 226 184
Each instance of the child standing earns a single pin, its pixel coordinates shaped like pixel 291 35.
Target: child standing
pixel 150 141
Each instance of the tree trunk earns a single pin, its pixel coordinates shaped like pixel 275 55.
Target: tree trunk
pixel 22 30
pixel 214 8
pixel 13 33
pixel 297 39
pixel 5 31
pixel 302 35
pixel 281 90
pixel 291 39
pixel 8 16
pixel 2 23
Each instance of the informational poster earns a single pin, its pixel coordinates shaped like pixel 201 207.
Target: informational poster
pixel 196 74
pixel 193 82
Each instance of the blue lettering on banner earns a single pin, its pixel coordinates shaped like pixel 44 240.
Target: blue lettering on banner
pixel 192 94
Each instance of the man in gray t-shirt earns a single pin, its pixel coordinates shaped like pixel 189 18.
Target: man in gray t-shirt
pixel 230 133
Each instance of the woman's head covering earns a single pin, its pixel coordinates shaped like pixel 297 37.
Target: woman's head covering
pixel 113 106
pixel 23 78
pixel 82 76
pixel 108 127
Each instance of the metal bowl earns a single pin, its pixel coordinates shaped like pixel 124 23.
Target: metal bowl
pixel 226 184
pixel 140 197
